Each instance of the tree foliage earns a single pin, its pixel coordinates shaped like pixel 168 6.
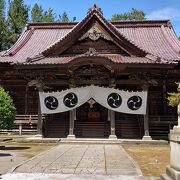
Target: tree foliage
pixel 17 16
pixel 14 18
pixel 7 110
pixel 2 24
pixel 7 37
pixel 64 17
pixel 134 14
pixel 37 13
pixel 49 16
pixel 174 98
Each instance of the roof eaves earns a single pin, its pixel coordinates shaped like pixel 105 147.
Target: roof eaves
pixel 141 23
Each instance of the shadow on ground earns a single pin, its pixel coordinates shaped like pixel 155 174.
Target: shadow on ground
pixel 15 148
pixel 5 154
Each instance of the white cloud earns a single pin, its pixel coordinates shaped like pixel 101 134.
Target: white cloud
pixel 165 13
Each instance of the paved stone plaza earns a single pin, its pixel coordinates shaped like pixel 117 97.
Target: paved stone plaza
pixel 82 159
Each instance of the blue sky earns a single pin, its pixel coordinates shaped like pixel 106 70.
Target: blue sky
pixel 154 9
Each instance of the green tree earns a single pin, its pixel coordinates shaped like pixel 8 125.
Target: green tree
pixel 174 98
pixel 63 18
pixel 49 16
pixel 74 19
pixel 2 24
pixel 7 37
pixel 7 110
pixel 17 16
pixel 2 10
pixel 37 13
pixel 134 14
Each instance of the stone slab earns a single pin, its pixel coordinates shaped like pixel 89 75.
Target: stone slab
pixel 102 159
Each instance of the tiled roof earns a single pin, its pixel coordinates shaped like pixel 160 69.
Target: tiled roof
pixel 39 41
pixel 115 58
pixel 159 41
pixel 156 39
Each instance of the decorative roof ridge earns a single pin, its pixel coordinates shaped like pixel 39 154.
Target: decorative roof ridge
pixel 21 39
pixel 121 23
pixel 142 23
pixel 74 58
pixel 34 59
pixel 25 40
pixel 54 25
pixel 95 8
pixel 159 59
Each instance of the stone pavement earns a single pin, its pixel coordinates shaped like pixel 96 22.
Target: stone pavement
pixel 92 159
pixel 41 176
pixel 9 160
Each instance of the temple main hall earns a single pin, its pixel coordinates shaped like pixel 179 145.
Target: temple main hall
pixel 97 56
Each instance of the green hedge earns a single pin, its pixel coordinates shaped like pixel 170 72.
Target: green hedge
pixel 7 110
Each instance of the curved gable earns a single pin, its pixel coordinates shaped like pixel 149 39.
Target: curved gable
pixel 94 18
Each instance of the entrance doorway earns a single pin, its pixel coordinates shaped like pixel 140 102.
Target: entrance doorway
pixel 92 122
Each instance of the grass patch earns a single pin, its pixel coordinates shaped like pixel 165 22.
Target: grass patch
pixel 152 160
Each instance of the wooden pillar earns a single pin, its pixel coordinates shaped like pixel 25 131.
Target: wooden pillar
pixel 164 98
pixel 112 114
pixel 26 100
pixel 39 123
pixel 146 119
pixel 72 115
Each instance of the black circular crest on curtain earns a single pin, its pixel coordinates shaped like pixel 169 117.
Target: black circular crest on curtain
pixel 70 100
pixel 134 102
pixel 51 102
pixel 114 100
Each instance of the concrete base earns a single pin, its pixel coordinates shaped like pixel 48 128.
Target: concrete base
pixel 147 138
pixel 171 174
pixel 112 137
pixel 40 136
pixel 71 137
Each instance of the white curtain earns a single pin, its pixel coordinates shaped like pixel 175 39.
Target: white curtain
pixel 113 99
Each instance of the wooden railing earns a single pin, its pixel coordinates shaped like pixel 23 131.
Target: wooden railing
pixel 26 120
pixel 161 125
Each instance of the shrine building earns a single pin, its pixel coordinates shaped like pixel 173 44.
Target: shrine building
pixel 95 57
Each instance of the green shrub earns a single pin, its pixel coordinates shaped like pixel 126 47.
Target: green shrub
pixel 7 110
pixel 174 98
